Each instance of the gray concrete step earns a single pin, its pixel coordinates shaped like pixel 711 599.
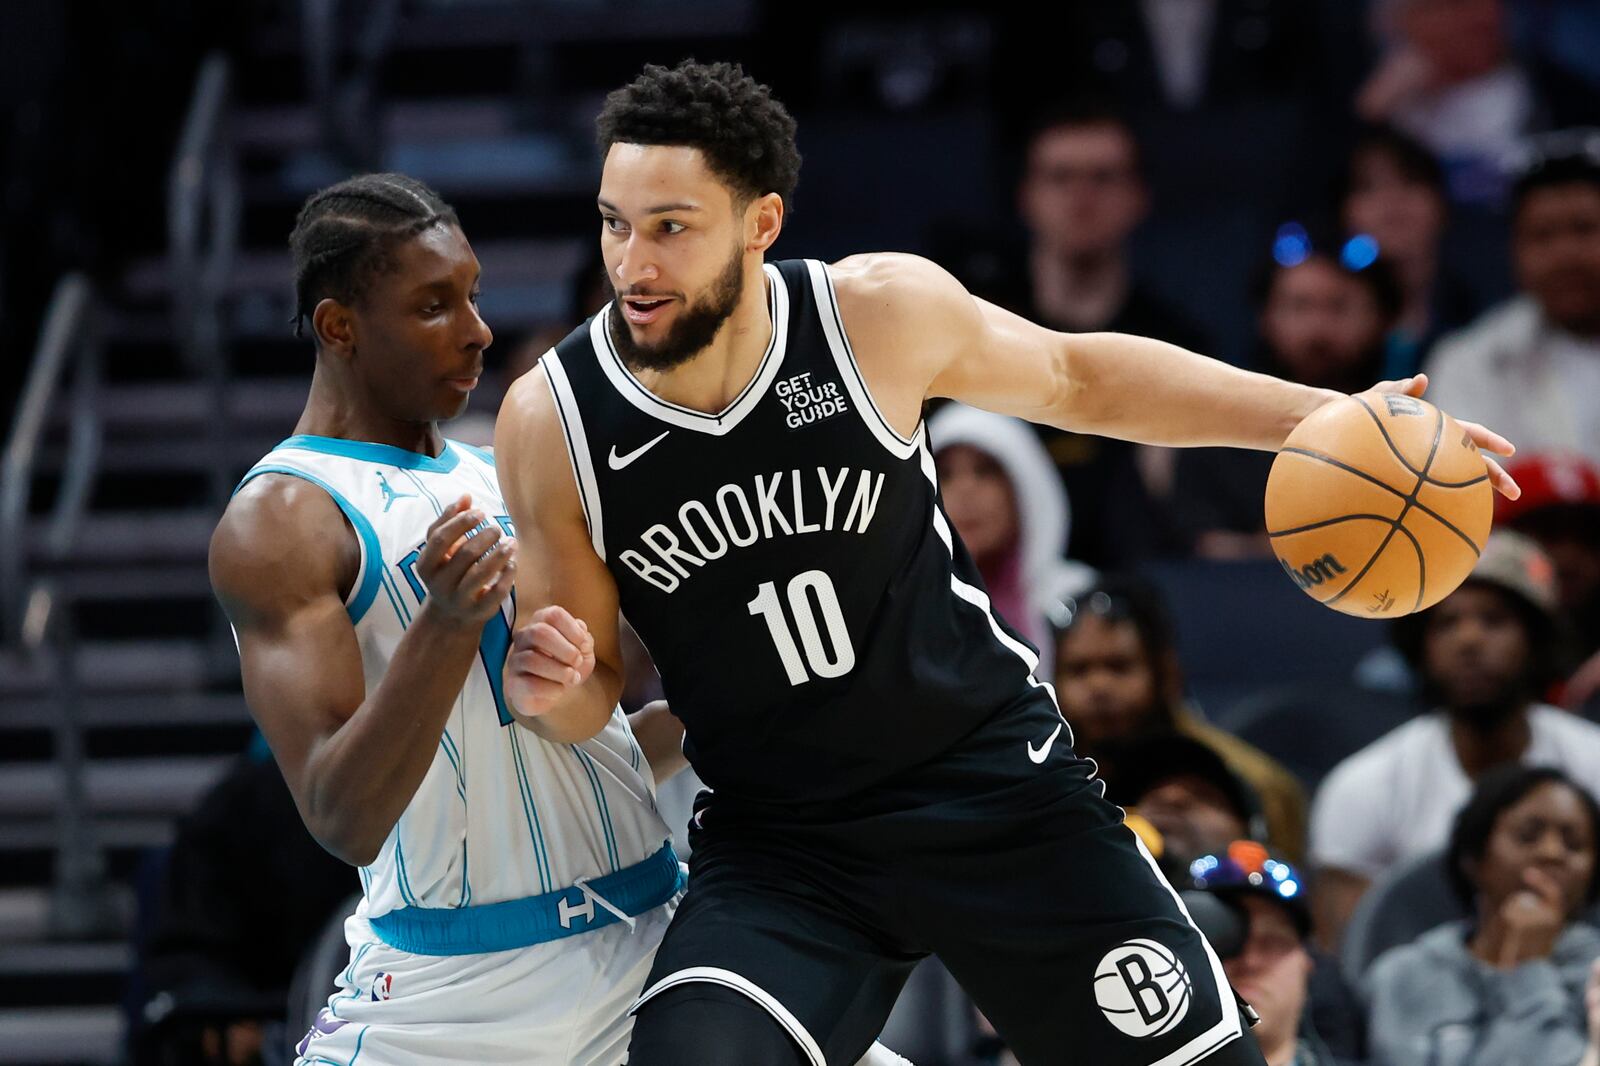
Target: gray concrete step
pixel 124 666
pixel 45 1036
pixel 152 710
pixel 166 786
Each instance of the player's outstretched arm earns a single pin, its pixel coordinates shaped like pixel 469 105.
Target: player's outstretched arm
pixel 1113 384
pixel 281 561
pixel 564 673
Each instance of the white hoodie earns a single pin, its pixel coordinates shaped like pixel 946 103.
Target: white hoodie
pixel 1043 510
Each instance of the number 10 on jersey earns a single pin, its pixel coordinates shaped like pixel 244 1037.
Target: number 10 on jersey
pixel 809 594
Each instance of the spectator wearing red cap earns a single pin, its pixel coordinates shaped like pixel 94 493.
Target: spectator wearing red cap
pixel 1531 367
pixel 1560 508
pixel 1485 654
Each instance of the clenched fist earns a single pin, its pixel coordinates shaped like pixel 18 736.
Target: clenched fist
pixel 550 656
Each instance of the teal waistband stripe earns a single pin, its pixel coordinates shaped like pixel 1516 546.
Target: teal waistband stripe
pixel 520 923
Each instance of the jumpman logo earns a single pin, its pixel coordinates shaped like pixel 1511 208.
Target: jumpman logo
pixel 389 495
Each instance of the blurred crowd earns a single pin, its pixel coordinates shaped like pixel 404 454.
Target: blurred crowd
pixel 1431 898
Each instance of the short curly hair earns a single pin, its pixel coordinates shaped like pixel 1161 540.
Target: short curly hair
pixel 746 136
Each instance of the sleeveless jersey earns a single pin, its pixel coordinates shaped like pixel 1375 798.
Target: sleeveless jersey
pixel 817 626
pixel 501 813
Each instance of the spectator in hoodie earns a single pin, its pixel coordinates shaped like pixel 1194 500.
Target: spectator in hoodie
pixel 1507 986
pixel 1008 506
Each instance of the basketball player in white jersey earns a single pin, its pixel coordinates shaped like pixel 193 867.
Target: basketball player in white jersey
pixel 514 890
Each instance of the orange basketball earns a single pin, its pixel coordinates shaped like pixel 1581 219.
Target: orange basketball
pixel 1378 506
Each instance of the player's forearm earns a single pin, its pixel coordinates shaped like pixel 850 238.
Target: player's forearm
pixel 1149 391
pixel 580 713
pixel 363 776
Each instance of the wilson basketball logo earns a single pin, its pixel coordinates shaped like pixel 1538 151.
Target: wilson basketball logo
pixel 1142 988
pixel 1314 573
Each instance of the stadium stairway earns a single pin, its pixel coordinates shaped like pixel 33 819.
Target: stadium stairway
pixel 154 685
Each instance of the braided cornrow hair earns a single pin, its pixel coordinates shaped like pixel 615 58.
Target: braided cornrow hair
pixel 345 233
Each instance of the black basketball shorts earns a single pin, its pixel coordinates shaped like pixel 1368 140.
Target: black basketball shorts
pixel 1001 858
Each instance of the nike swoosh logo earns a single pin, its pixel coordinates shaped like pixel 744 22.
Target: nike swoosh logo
pixel 1039 754
pixel 619 461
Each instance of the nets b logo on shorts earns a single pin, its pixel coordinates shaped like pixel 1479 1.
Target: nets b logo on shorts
pixel 1142 988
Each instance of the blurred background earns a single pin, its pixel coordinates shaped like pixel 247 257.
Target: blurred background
pixel 1326 189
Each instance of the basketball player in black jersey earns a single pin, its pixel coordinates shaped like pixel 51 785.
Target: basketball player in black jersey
pixel 732 453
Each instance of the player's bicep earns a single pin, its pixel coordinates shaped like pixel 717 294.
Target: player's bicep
pixel 1008 365
pixel 298 655
pixel 557 562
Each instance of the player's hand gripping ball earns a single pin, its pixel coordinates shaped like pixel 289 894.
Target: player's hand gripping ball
pixel 1379 504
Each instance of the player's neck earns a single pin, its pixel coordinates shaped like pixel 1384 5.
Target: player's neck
pixel 711 380
pixel 332 411
pixel 1082 292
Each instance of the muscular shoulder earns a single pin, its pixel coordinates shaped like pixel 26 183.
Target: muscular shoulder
pixel 899 293
pixel 907 318
pixel 530 450
pixel 281 540
pixel 527 435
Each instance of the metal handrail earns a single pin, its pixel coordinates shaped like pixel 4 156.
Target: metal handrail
pixel 203 215
pixel 344 48
pixel 203 220
pixel 69 340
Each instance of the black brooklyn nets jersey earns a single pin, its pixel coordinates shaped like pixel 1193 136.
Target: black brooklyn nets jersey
pixel 817 625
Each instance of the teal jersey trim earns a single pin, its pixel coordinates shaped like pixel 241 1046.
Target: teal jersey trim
pixel 385 454
pixel 482 453
pixel 372 567
pixel 520 923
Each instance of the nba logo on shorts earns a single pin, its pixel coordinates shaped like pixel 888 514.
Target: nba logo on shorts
pixel 1142 988
pixel 382 985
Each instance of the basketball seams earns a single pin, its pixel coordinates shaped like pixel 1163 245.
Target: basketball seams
pixel 1394 524
pixel 1422 479
pixel 1390 440
pixel 1327 522
pixel 1323 457
pixel 1457 484
pixel 1422 567
pixel 1398 522
pixel 1423 473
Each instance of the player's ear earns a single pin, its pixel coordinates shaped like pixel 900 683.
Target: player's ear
pixel 763 221
pixel 334 327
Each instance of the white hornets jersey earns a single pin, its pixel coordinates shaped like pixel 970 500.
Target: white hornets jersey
pixel 501 814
